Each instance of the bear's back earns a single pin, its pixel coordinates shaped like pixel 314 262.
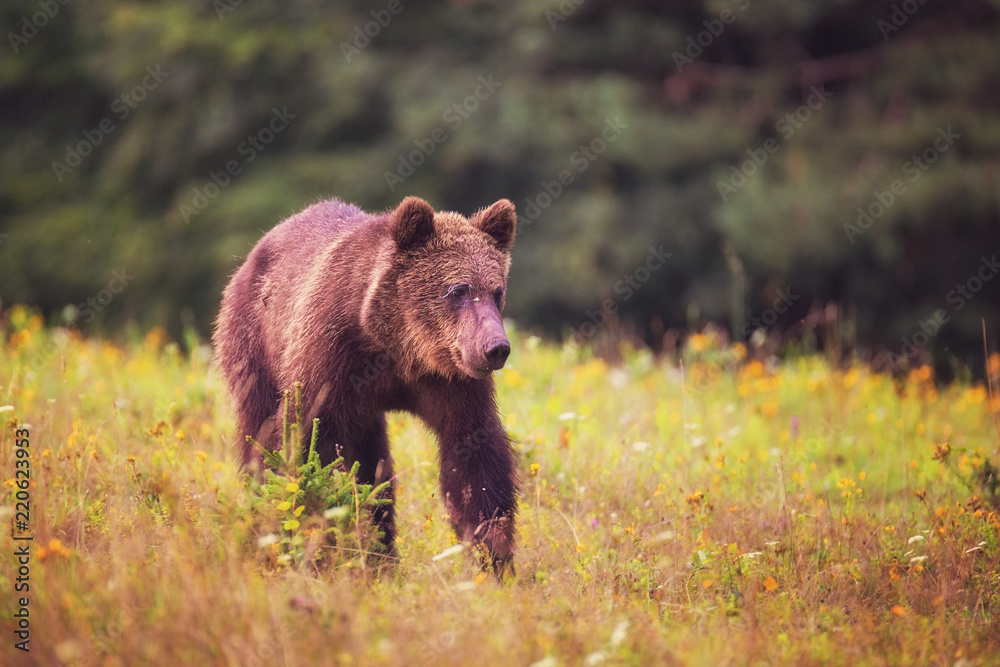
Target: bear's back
pixel 325 221
pixel 293 246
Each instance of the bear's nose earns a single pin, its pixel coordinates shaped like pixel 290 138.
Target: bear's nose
pixel 497 353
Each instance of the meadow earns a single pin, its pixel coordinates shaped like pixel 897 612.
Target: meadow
pixel 720 508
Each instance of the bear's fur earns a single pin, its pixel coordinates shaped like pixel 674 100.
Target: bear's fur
pixel 377 312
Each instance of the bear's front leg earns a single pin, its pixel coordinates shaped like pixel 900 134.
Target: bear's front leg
pixel 478 464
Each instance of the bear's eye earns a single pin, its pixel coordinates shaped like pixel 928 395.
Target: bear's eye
pixel 498 296
pixel 457 291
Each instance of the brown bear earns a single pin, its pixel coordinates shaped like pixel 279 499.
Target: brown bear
pixel 378 312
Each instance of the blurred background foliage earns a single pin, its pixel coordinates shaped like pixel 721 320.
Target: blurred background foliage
pixel 895 73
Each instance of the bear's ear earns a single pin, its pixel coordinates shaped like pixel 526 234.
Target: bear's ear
pixel 499 222
pixel 412 223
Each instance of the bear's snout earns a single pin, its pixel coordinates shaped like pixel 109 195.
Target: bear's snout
pixel 483 345
pixel 496 353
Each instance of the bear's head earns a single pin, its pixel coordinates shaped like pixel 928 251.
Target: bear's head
pixel 451 279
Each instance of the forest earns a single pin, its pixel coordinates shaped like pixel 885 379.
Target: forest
pixel 821 171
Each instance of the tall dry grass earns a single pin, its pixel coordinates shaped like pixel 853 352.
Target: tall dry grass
pixel 738 512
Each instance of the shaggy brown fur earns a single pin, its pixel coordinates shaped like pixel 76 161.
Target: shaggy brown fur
pixel 377 312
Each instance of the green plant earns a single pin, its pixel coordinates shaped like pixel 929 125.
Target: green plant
pixel 311 513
